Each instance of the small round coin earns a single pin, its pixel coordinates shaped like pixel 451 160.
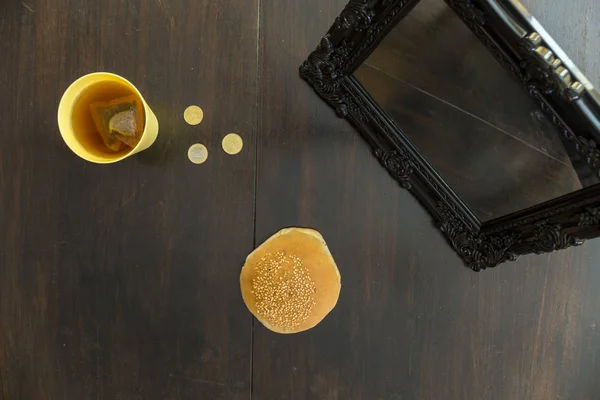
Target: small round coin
pixel 197 153
pixel 193 115
pixel 232 143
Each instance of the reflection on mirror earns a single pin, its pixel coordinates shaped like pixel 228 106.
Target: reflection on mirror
pixel 468 117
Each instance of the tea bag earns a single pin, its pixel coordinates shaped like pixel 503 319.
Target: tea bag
pixel 125 128
pixel 119 121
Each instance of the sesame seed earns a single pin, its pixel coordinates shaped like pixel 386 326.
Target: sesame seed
pixel 283 290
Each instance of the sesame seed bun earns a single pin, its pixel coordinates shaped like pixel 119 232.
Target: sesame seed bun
pixel 290 282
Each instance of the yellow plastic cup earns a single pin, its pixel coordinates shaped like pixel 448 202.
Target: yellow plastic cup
pixel 75 121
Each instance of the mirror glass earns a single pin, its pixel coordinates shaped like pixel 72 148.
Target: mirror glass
pixel 468 116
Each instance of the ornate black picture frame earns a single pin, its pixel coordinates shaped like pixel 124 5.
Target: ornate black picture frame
pixel 527 51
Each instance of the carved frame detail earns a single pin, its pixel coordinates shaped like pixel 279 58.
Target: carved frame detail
pixel 554 225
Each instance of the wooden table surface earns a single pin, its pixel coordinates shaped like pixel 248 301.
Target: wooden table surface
pixel 121 281
pixel 575 25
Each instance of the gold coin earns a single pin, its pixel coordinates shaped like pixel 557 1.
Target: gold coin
pixel 193 115
pixel 232 143
pixel 197 153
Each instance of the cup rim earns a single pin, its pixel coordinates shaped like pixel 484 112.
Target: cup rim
pixel 61 123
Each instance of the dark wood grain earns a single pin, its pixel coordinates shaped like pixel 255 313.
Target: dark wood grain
pixel 412 322
pixel 120 281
